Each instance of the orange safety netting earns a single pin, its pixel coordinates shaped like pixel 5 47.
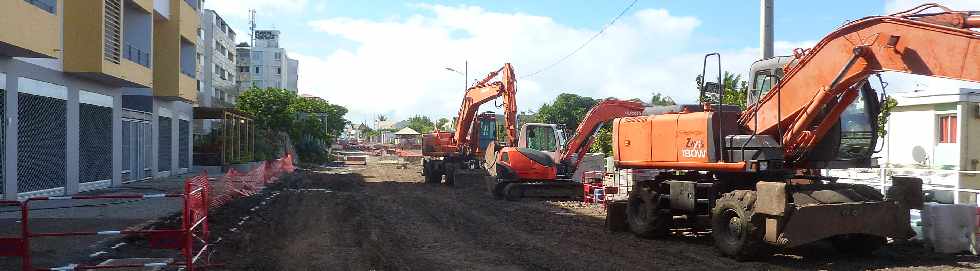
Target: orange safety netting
pixel 235 184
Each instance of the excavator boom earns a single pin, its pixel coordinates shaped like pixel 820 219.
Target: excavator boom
pixel 482 92
pixel 827 78
pixel 602 112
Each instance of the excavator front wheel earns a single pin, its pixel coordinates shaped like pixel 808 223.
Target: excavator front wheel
pixel 431 172
pixel 450 170
pixel 616 217
pixel 737 231
pixel 645 216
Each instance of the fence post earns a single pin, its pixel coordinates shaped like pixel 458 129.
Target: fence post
pixel 25 232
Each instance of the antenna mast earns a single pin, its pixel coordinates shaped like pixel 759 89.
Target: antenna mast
pixel 251 28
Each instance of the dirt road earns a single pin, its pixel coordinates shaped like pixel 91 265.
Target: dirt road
pixel 384 218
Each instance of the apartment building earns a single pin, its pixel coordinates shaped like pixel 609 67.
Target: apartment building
pixel 217 47
pixel 264 64
pixel 94 92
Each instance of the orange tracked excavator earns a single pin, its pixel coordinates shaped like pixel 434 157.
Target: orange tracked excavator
pixel 748 175
pixel 446 152
pixel 542 164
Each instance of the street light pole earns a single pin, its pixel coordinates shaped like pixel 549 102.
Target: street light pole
pixel 465 74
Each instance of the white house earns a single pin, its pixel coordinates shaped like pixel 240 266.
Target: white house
pixel 933 134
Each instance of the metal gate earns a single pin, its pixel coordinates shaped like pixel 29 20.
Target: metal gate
pixel 94 137
pixel 184 150
pixel 42 135
pixel 165 145
pixel 136 145
pixel 3 127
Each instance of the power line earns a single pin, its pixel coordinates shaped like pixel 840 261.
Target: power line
pixel 586 43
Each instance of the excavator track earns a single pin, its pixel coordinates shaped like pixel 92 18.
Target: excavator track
pixel 560 189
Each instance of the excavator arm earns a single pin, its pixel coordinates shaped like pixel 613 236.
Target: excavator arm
pixel 602 112
pixel 824 80
pixel 482 92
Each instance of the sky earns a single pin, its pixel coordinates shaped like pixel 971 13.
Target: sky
pixel 385 57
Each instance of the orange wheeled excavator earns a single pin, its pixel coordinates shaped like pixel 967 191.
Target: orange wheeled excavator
pixel 446 152
pixel 748 175
pixel 533 169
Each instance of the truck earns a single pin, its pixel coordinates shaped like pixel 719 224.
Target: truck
pixel 445 153
pixel 752 176
pixel 542 163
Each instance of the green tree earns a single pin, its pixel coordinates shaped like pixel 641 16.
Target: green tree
pixel 567 109
pixel 603 140
pixel 421 124
pixel 441 122
pixel 660 100
pixel 312 123
pixel 886 111
pixel 269 107
pixel 736 90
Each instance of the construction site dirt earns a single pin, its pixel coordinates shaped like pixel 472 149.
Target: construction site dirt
pixel 380 217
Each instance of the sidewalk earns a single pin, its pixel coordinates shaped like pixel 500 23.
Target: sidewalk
pixel 90 215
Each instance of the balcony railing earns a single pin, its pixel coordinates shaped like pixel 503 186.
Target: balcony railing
pixel 188 73
pixel 137 55
pixel 42 4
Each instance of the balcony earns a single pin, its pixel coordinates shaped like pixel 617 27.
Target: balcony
pixel 137 55
pixel 30 28
pixel 190 20
pixel 175 54
pixel 117 61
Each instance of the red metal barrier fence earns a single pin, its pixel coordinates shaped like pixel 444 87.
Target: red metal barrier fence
pixel 191 239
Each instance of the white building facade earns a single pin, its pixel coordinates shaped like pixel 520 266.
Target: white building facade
pixel 934 135
pixel 217 74
pixel 264 64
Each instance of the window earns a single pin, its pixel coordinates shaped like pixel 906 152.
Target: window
pixel 278 56
pixel 257 57
pixel 278 70
pixel 258 70
pixel 242 68
pixel 947 129
pixel 47 5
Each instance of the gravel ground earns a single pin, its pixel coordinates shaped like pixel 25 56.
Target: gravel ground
pixel 384 218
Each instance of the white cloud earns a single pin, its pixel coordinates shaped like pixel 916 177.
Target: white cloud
pixel 239 8
pixel 397 65
pixel 892 6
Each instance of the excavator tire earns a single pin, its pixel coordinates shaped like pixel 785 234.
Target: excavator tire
pixel 737 231
pixel 432 175
pixel 513 192
pixel 857 244
pixel 645 216
pixel 451 174
pixel 616 217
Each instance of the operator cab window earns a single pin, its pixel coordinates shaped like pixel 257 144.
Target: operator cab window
pixel 542 138
pixel 763 83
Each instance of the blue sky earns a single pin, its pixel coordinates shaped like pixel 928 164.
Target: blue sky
pixel 388 57
pixel 727 24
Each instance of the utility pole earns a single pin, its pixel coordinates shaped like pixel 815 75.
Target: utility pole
pixel 466 75
pixel 766 28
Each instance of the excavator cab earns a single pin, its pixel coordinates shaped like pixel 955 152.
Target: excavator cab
pixel 849 143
